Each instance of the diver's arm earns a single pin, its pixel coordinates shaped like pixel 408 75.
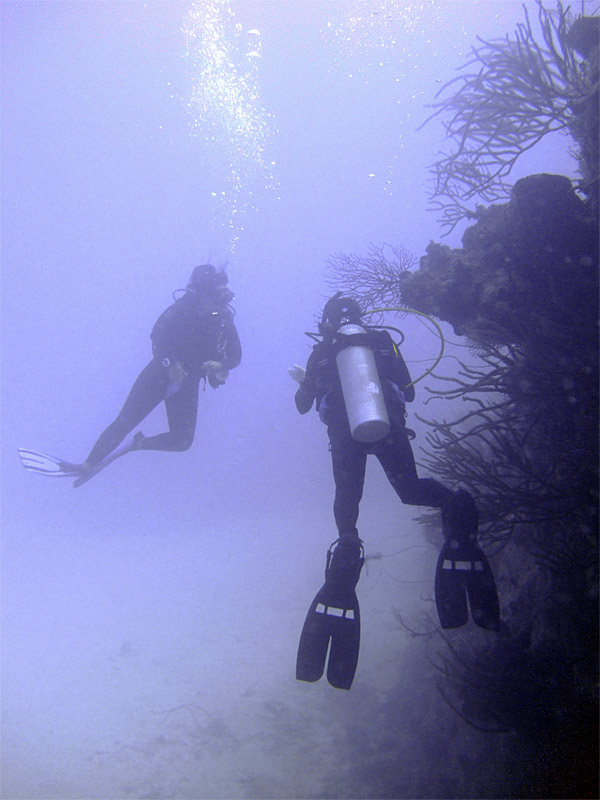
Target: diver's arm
pixel 233 348
pixel 217 372
pixel 402 377
pixel 166 333
pixel 391 364
pixel 304 399
pixel 306 393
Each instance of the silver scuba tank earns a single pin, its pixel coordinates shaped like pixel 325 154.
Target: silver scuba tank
pixel 361 387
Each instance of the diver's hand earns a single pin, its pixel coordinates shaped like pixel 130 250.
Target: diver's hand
pixel 215 373
pixel 297 373
pixel 217 379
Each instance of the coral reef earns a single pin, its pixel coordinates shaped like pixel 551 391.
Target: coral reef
pixel 509 96
pixel 536 252
pixel 523 289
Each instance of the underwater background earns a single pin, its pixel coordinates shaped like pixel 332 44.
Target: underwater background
pixel 150 619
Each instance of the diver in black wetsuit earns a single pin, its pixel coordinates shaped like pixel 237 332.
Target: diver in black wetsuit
pixel 194 338
pixel 321 382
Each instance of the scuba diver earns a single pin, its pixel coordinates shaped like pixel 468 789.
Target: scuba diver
pixel 194 338
pixel 361 383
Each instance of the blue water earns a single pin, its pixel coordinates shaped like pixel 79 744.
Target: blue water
pixel 150 618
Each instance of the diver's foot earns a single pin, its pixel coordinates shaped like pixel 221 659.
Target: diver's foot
pixel 84 473
pixel 460 517
pixel 68 467
pixel 345 562
pixel 138 441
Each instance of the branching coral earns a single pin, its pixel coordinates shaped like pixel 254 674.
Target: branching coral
pixel 375 278
pixel 499 447
pixel 514 93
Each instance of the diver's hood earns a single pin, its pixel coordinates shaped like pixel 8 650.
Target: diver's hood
pixel 338 311
pixel 206 279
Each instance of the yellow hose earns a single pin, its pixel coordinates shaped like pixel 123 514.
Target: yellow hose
pixel 419 314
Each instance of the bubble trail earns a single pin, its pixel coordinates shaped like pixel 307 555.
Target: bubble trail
pixel 225 108
pixel 374 33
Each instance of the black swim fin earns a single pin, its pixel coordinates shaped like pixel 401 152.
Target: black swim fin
pixel 463 572
pixel 333 619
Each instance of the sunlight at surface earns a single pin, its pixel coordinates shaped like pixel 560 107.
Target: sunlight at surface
pixel 225 107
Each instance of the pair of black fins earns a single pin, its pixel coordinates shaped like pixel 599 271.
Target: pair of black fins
pixel 333 620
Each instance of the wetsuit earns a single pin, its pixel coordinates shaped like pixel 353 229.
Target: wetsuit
pixel 349 457
pixel 188 334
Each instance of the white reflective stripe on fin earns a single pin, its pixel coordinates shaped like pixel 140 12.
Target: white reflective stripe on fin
pixel 39 462
pixel 39 459
pixel 333 611
pixel 463 566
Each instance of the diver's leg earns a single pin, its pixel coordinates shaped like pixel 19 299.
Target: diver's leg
pixel 459 512
pixel 147 392
pixel 349 461
pixel 182 412
pixel 462 569
pixel 396 457
pixel 331 630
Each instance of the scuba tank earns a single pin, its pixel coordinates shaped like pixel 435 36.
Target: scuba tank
pixel 361 387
